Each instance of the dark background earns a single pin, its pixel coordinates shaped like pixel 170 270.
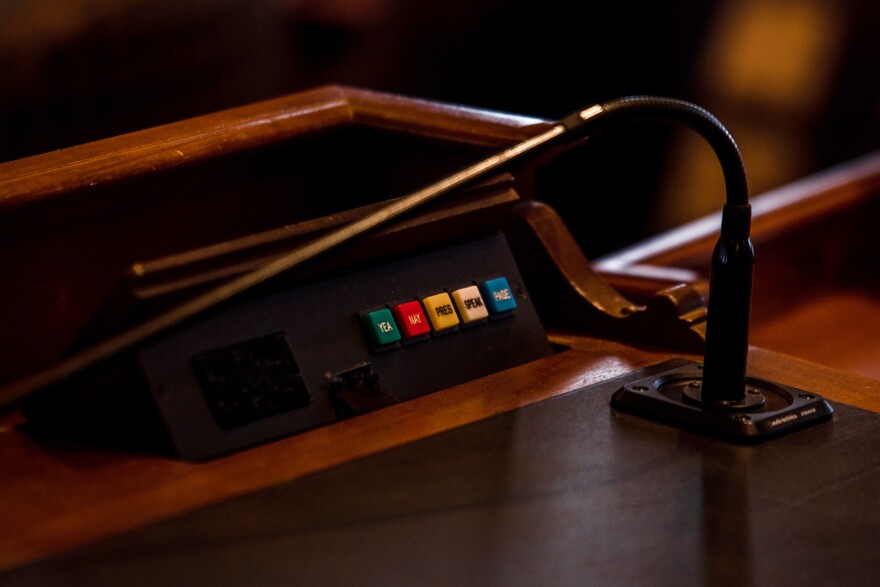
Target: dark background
pixel 794 81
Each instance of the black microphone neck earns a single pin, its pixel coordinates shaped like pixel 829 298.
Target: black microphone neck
pixel 730 297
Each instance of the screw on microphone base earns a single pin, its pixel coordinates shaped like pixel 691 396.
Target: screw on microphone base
pixel 767 409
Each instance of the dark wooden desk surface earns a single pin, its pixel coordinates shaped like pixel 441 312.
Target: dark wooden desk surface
pixel 59 497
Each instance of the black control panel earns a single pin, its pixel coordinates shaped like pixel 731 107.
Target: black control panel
pixel 288 361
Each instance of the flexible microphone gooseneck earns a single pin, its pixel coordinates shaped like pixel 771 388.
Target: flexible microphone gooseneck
pixel 730 282
pixel 716 397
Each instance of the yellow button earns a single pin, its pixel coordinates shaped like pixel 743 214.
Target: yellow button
pixel 440 311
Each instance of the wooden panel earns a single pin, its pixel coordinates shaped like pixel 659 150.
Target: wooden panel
pixel 72 221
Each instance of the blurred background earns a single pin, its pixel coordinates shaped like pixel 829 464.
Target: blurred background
pixel 795 81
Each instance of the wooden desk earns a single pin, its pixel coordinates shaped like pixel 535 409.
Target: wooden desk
pixel 80 514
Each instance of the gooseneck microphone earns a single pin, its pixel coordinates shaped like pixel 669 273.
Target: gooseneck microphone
pixel 730 283
pixel 717 396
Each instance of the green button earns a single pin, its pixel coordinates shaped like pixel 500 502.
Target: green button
pixel 381 327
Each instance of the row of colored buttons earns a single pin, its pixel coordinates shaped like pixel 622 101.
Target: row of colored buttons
pixel 414 319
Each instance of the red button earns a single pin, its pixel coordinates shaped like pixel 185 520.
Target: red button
pixel 411 319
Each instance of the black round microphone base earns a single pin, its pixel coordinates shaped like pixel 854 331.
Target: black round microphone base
pixel 767 409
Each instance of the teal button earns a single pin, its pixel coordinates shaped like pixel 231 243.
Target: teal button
pixel 381 327
pixel 497 295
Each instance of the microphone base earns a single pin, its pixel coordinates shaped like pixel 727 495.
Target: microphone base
pixel 767 409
